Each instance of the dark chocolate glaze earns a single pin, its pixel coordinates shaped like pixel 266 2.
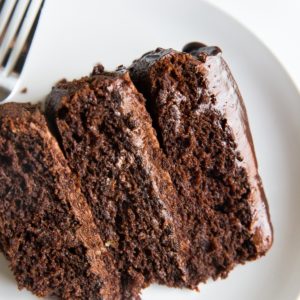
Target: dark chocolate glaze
pixel 189 47
pixel 229 103
pixel 194 48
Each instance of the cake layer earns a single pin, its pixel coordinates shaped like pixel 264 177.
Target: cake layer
pixel 229 103
pixel 46 227
pixel 107 137
pixel 202 127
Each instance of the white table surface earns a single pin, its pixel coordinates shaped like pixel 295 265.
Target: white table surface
pixel 276 23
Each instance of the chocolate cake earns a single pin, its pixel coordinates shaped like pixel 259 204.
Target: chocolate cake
pixel 202 128
pixel 113 191
pixel 47 230
pixel 107 137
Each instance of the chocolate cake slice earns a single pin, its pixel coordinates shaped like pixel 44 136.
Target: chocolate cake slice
pixel 202 127
pixel 107 137
pixel 46 227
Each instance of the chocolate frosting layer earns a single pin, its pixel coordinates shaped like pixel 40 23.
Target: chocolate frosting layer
pixel 229 103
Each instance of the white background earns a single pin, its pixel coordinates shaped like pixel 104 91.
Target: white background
pixel 275 22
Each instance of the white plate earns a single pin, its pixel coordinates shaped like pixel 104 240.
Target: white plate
pixel 116 32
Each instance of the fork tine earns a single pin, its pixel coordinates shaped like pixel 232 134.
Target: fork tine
pixel 5 13
pixel 23 34
pixel 12 27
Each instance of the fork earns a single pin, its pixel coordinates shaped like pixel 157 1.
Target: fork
pixel 18 22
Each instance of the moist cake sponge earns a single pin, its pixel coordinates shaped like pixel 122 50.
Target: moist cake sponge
pixel 108 139
pixel 202 127
pixel 46 227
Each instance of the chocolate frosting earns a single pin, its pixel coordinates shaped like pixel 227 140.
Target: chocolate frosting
pixel 230 104
pixel 197 48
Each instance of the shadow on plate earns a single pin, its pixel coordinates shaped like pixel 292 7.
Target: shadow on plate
pixel 5 272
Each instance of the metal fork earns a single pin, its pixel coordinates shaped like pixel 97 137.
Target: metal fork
pixel 18 22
